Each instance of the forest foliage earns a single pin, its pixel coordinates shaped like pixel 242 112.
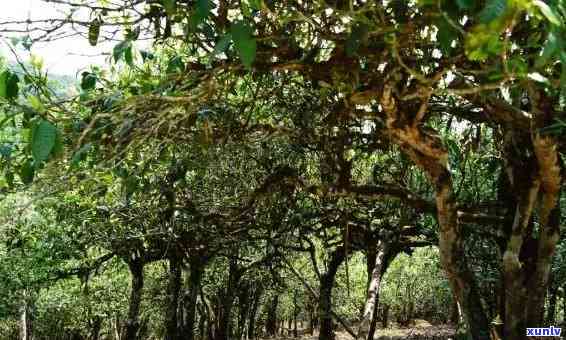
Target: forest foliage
pixel 239 169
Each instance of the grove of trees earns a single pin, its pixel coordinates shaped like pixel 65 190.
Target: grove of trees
pixel 242 169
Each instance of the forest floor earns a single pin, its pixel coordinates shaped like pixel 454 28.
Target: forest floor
pixel 436 332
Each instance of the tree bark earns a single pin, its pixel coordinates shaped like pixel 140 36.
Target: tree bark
pixel 427 152
pixel 227 302
pixel 26 318
pixel 193 282
pixel 132 323
pixel 527 259
pixel 325 296
pixel 295 313
pixel 174 288
pixel 365 330
pixel 253 312
pixel 312 316
pixel 243 306
pixel 271 322
pixel 553 298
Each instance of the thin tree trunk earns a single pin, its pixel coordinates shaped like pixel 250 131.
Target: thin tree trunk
pixel 325 296
pixel 372 300
pixel 174 288
pixel 553 298
pixel 96 325
pixel 253 312
pixel 271 322
pixel 373 323
pixel 132 323
pixel 385 317
pixel 26 318
pixel 116 327
pixel 295 313
pixel 196 269
pixel 227 302
pixel 312 321
pixel 243 306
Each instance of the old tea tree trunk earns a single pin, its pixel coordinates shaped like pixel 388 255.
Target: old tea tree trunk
pixel 427 152
pixel 527 258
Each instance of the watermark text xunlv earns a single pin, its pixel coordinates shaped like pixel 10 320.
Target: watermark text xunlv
pixel 544 331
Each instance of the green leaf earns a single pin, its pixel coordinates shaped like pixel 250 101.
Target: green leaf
pixel 493 9
pixel 244 42
pixel 563 75
pixel 80 155
pixel 222 45
pixel 551 47
pixel 36 103
pixel 128 56
pixel 170 6
pixel 120 49
pixel 94 31
pixel 175 65
pixel 358 35
pixel 203 8
pixel 58 146
pixel 255 4
pixel 9 85
pixel 548 12
pixel 6 150
pixel 465 4
pixel 27 172
pixel 88 81
pixel 146 56
pixel 43 138
pixel 446 35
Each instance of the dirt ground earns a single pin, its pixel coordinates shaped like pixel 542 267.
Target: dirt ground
pixel 438 332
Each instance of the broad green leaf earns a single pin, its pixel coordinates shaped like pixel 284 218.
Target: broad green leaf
pixel 203 8
pixel 88 81
pixel 58 146
pixel 465 4
pixel 27 171
pixel 129 56
pixel 9 85
pixel 493 9
pixel 222 45
pixel 120 49
pixel 4 84
pixel 43 138
pixel 358 35
pixel 244 42
pixel 446 35
pixel 548 12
